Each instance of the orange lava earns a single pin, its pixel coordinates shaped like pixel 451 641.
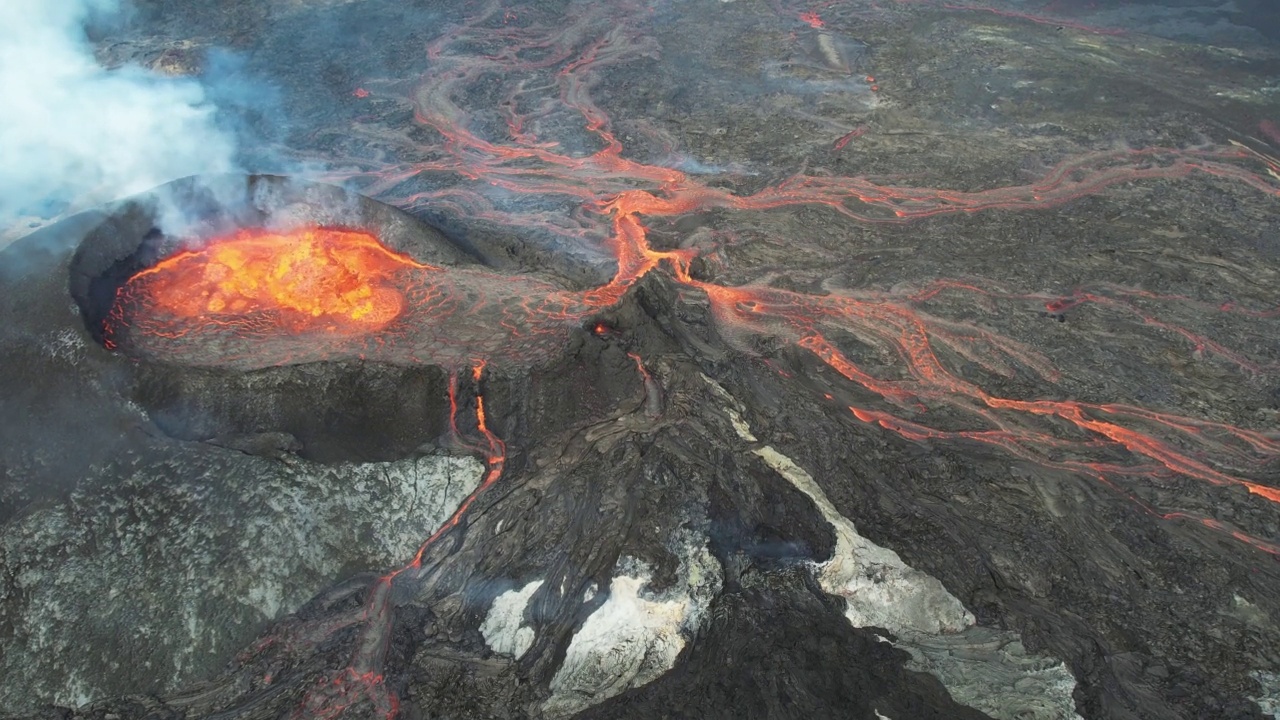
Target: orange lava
pixel 309 279
pixel 471 318
pixel 813 19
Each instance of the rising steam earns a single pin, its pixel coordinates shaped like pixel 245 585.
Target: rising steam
pixel 73 133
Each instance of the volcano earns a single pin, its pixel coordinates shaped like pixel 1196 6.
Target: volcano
pixel 723 360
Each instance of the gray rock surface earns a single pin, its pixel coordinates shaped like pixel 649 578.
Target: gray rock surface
pixel 153 579
pixel 984 668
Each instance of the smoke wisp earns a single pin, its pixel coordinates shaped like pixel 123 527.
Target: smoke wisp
pixel 73 133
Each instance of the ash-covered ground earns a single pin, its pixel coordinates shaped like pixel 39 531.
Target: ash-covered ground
pixel 766 359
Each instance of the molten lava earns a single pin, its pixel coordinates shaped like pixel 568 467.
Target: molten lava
pixel 325 282
pixel 312 279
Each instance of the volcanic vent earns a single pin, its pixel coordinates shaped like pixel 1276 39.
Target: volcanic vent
pixel 257 256
pixel 307 280
pixel 254 269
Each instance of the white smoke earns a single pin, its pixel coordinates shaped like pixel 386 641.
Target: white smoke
pixel 73 132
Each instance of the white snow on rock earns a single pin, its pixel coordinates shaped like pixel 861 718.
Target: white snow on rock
pixel 991 671
pixel 503 628
pixel 1269 700
pixel 986 669
pixel 880 589
pixel 635 636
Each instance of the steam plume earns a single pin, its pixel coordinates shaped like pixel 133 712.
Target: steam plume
pixel 72 131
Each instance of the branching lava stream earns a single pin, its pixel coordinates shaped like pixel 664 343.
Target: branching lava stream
pixel 344 296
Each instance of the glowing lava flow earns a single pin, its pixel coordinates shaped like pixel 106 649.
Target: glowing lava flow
pixel 925 399
pixel 302 281
pixel 362 684
pixel 455 316
pixel 814 19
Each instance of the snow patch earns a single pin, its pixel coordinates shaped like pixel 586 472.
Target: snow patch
pixel 503 628
pixel 991 671
pixel 880 589
pixel 1269 700
pixel 986 669
pixel 635 636
pixel 740 426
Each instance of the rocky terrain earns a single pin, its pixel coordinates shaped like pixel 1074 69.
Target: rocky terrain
pixel 753 360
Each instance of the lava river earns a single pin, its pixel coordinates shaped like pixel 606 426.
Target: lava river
pixel 262 299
